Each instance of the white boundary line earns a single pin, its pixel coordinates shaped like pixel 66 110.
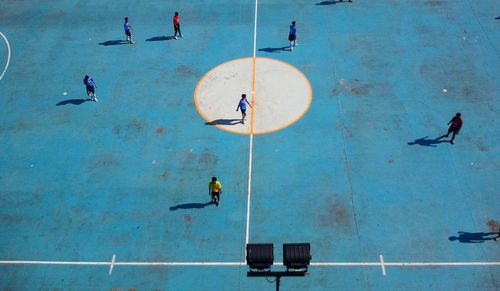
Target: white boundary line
pixel 250 155
pixel 222 264
pixel 8 55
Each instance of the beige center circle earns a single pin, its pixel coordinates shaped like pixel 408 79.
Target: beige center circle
pixel 282 95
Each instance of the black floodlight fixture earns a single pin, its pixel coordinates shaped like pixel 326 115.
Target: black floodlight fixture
pixel 297 256
pixel 260 256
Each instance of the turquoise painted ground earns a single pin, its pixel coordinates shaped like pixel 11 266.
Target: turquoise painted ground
pixel 361 174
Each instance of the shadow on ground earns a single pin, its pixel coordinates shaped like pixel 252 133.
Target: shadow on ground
pixel 427 142
pixel 475 237
pixel 331 2
pixel 190 206
pixel 113 42
pixel 223 122
pixel 72 101
pixel 274 49
pixel 160 38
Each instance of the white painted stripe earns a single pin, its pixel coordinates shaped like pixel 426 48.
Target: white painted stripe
pixel 8 55
pixel 53 263
pixel 382 264
pixel 313 264
pixel 255 30
pixel 112 264
pixel 250 155
pixel 428 264
pixel 404 264
pixel 343 264
pixel 217 264
pixel 249 191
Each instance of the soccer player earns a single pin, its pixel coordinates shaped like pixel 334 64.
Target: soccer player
pixel 292 36
pixel 243 106
pixel 456 125
pixel 214 190
pixel 128 31
pixel 177 25
pixel 91 85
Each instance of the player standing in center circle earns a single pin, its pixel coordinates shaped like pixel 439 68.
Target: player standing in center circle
pixel 243 106
pixel 292 36
pixel 177 25
pixel 128 30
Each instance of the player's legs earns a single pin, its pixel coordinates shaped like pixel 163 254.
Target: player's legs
pixel 450 130
pixel 215 198
pixel 453 136
pixel 243 115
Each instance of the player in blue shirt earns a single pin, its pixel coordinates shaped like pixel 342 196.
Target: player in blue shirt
pixel 243 106
pixel 91 85
pixel 292 36
pixel 128 31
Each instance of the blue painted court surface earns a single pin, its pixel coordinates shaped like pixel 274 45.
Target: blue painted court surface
pixel 113 194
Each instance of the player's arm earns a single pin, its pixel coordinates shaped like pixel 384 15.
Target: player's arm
pixel 209 192
pixel 249 104
pixel 238 106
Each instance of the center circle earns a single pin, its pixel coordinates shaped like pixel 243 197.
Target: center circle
pixel 282 95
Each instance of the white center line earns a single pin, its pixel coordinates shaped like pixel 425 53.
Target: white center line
pixel 250 155
pixel 382 264
pixel 112 264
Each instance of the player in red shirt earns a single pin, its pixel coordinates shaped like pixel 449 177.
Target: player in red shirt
pixel 177 25
pixel 456 125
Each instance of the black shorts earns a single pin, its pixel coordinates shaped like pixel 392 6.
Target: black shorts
pixel 128 33
pixel 292 37
pixel 243 111
pixel 216 194
pixel 453 129
pixel 177 27
pixel 90 89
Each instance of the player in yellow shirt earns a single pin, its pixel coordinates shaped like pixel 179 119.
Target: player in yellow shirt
pixel 214 190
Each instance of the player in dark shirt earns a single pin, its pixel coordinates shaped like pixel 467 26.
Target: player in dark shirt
pixel 456 125
pixel 177 25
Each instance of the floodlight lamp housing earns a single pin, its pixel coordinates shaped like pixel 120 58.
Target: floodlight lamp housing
pixel 260 256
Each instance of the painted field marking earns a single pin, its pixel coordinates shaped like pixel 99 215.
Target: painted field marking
pixel 382 264
pixel 222 264
pixel 112 264
pixel 250 154
pixel 8 55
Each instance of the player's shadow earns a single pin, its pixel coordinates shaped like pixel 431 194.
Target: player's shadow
pixel 332 2
pixel 497 17
pixel 475 237
pixel 427 142
pixel 190 206
pixel 274 49
pixel 223 122
pixel 113 42
pixel 160 38
pixel 72 101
